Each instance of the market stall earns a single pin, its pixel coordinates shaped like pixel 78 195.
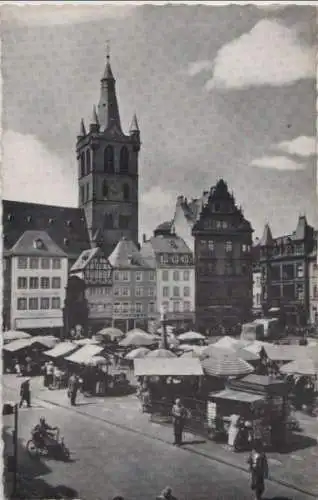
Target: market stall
pixel 27 353
pixel 260 402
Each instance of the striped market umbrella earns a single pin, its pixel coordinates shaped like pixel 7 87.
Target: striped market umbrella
pixel 225 363
pixel 161 353
pixel 140 352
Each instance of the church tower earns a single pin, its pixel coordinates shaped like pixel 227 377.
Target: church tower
pixel 108 170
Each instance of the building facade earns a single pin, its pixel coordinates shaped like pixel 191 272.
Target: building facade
pixel 38 278
pixel 173 261
pixel 223 263
pixel 285 272
pixel 313 286
pixel 108 170
pixel 257 280
pixel 94 269
pixel 134 288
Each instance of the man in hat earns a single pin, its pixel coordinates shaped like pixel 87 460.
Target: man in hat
pixel 179 415
pixel 25 393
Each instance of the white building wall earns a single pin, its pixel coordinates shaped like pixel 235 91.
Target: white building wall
pixel 38 318
pixel 169 300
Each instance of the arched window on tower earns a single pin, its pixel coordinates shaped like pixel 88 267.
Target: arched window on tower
pixel 82 161
pixel 124 160
pixel 109 160
pixel 126 192
pixel 105 190
pixel 88 161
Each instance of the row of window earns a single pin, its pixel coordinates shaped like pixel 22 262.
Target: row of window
pixel 139 291
pixel 289 249
pixel 109 161
pixel 176 275
pixel 35 303
pixel 176 291
pixel 35 283
pixel 111 221
pixel 138 307
pixel 290 292
pixel 175 259
pixel 177 306
pixel 284 272
pixel 209 245
pixel 139 275
pixel 39 263
pixel 99 290
pixel 230 268
pixel 216 224
pixel 106 192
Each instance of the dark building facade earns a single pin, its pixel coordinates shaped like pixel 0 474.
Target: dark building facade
pixel 223 263
pixel 284 263
pixel 108 170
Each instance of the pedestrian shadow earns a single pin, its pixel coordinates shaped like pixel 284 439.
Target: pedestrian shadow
pixel 194 441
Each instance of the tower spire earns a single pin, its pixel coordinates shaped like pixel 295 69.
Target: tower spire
pixel 108 112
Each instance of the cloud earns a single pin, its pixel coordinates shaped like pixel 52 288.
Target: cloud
pixel 277 163
pixel 48 15
pixel 33 173
pixel 300 146
pixel 270 54
pixel 197 67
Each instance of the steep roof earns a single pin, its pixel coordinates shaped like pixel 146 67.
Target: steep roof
pixel 169 244
pixel 66 226
pixel 126 255
pixel 163 228
pixel 267 238
pixel 85 258
pixel 37 243
pixel 108 111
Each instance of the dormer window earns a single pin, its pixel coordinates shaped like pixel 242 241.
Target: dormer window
pixel 10 217
pixel 65 241
pixel 29 218
pixel 38 244
pixel 68 223
pixel 51 221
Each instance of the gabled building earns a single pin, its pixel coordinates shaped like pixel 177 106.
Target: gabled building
pixel 36 271
pixel 223 263
pixel 94 269
pixel 284 265
pixel 134 287
pixel 173 260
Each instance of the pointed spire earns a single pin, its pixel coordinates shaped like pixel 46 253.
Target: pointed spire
pixel 94 125
pixel 134 127
pixel 108 112
pixel 82 131
pixel 267 238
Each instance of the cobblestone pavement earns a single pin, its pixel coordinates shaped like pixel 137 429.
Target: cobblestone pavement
pixel 298 468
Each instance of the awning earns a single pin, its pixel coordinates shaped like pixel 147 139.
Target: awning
pixel 167 367
pixel 17 345
pixel 242 397
pixel 62 349
pixel 85 354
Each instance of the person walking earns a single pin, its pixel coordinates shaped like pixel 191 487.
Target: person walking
pixel 73 387
pixel 49 374
pixel 258 466
pixel 179 415
pixel 25 393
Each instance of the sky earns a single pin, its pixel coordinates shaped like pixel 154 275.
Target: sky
pixel 219 92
